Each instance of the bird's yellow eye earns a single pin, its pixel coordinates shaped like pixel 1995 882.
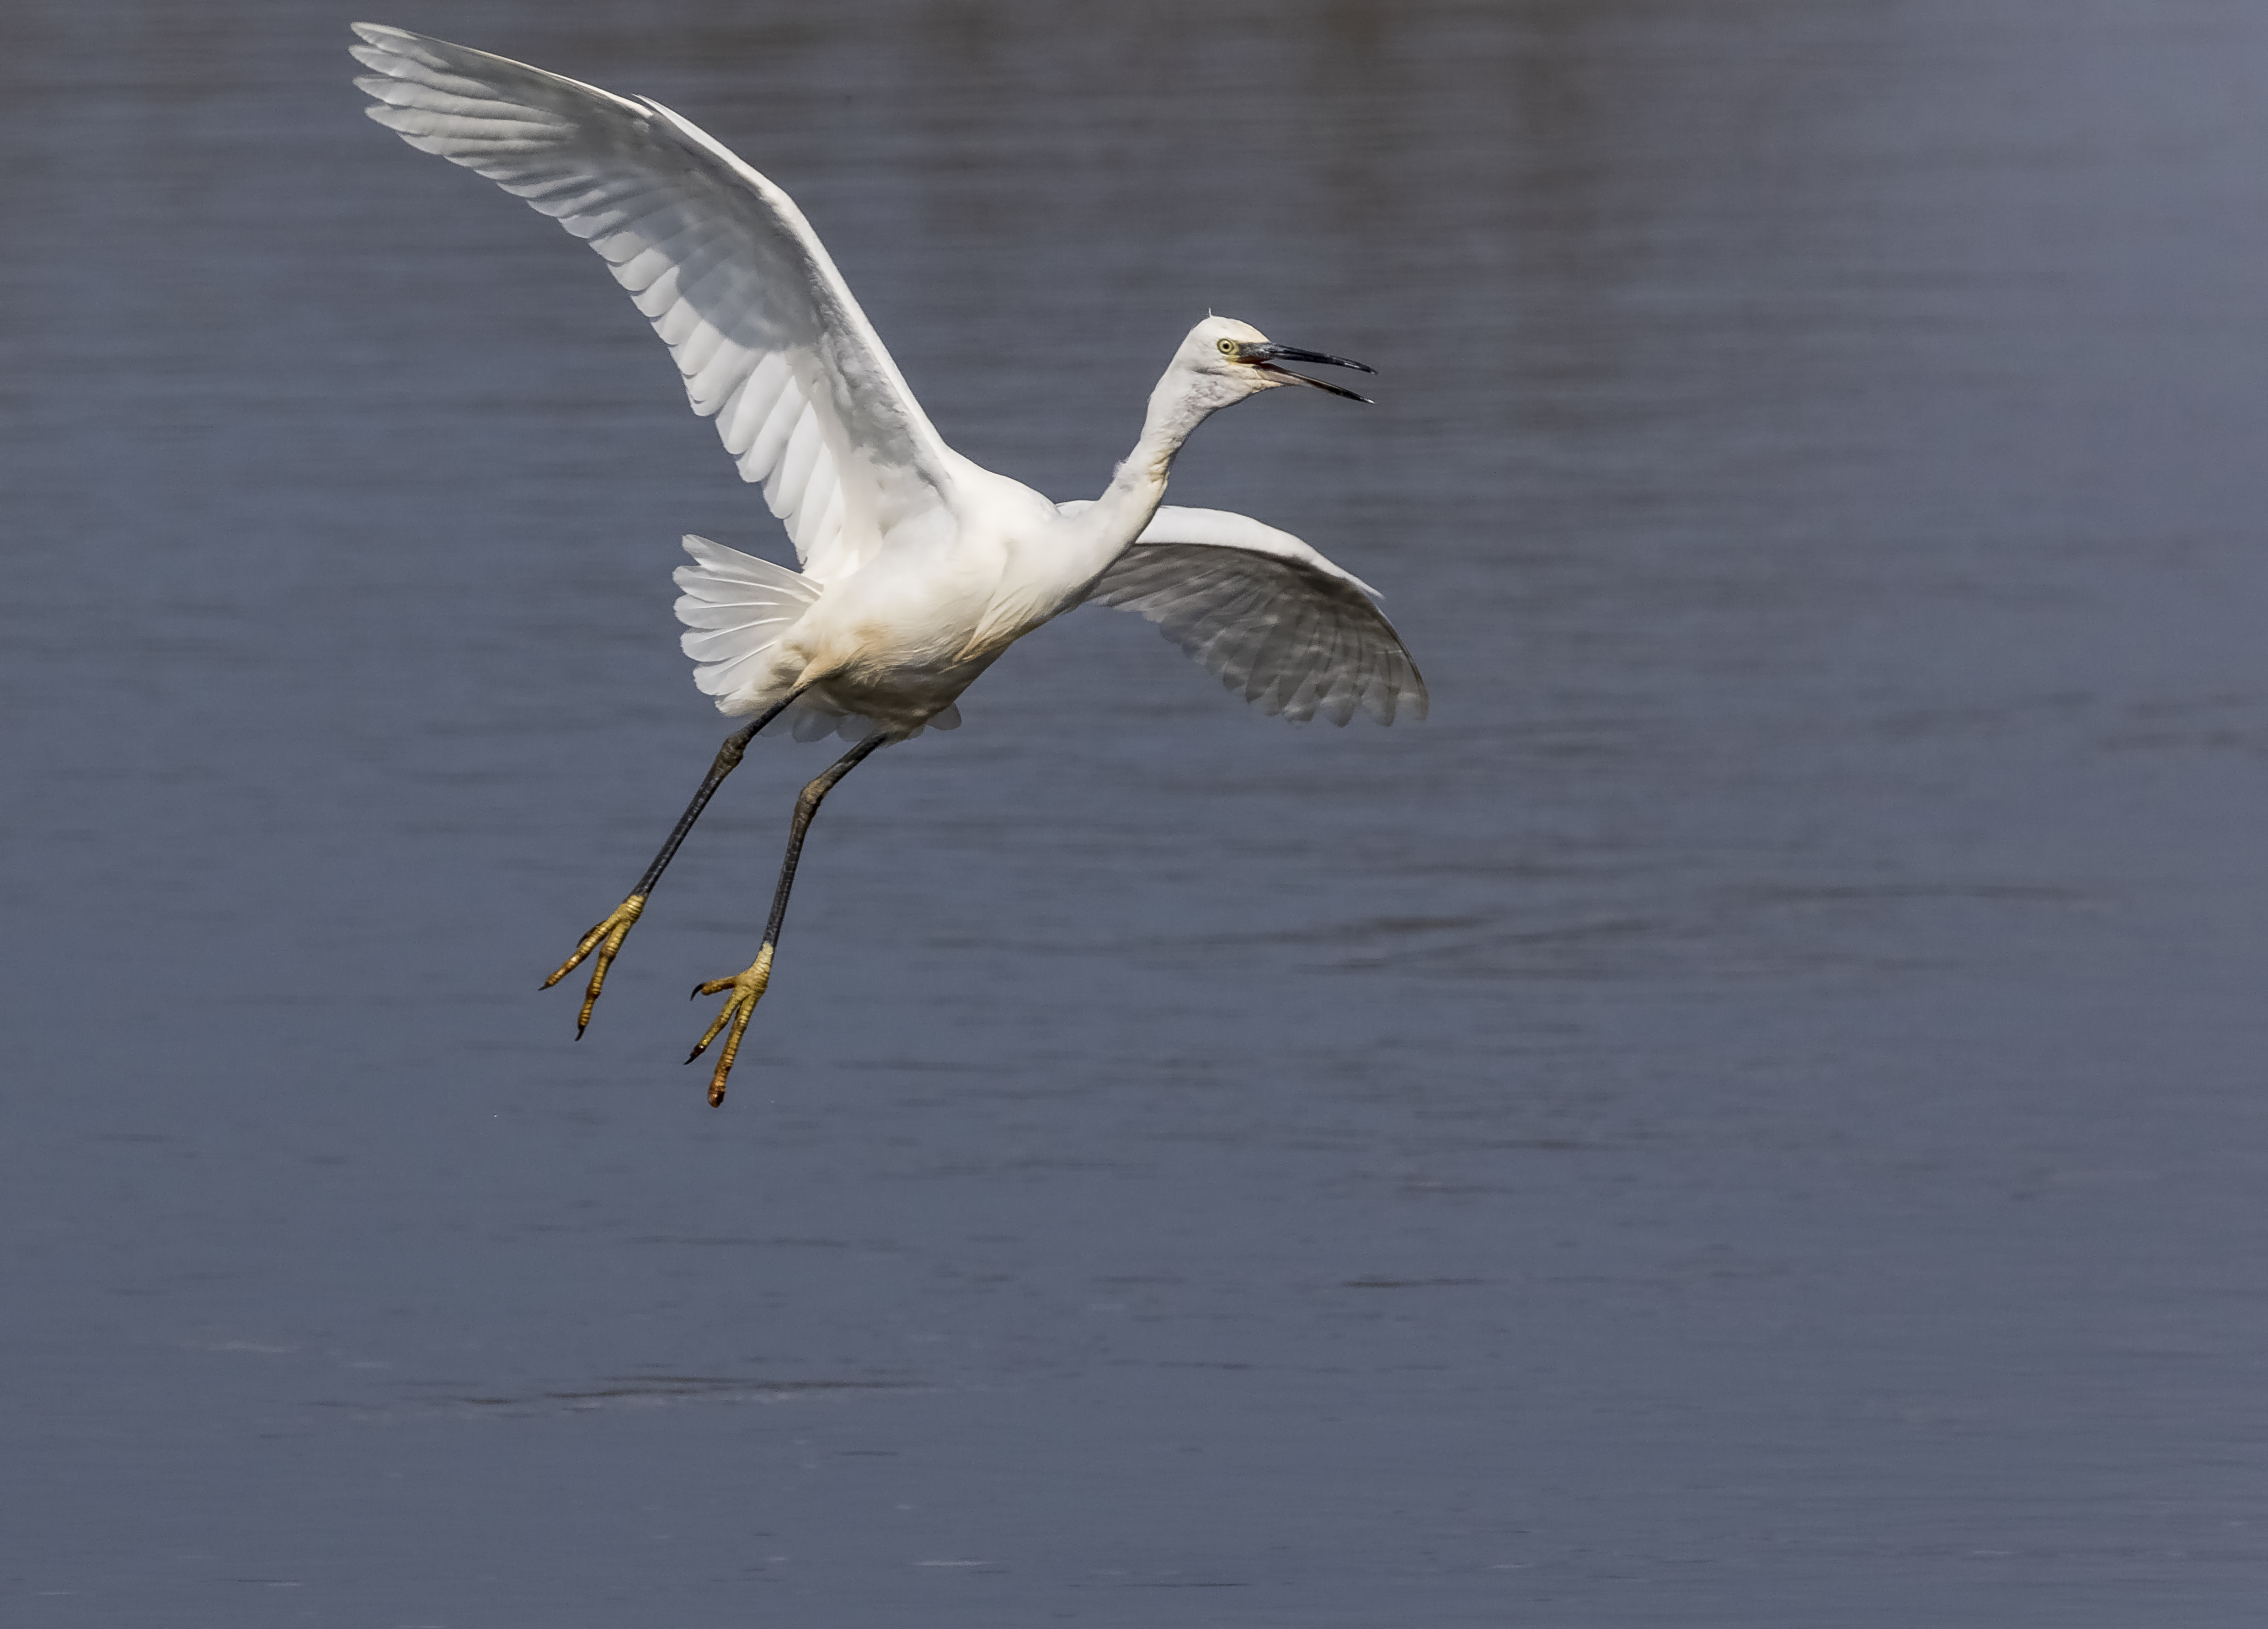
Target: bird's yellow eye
pixel 1228 348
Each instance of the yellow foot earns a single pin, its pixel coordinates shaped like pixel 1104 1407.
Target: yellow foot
pixel 605 938
pixel 747 989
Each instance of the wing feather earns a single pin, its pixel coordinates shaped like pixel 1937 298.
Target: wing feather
pixel 1270 616
pixel 717 258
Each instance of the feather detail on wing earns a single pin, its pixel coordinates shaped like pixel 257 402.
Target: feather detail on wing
pixel 1280 624
pixel 768 336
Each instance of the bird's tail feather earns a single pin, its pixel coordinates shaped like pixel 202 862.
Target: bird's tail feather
pixel 735 608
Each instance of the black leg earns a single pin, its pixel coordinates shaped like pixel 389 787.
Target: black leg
pixel 607 937
pixel 748 988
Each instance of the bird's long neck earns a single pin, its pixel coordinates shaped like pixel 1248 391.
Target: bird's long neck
pixel 1180 402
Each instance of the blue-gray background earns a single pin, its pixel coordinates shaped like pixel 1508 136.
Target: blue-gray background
pixel 1751 1117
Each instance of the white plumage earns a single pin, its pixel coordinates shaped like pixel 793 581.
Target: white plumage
pixel 774 347
pixel 919 568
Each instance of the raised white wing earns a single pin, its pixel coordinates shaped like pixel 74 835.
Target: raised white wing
pixel 736 283
pixel 1278 621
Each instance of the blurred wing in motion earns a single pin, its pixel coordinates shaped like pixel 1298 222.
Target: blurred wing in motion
pixel 769 340
pixel 1279 622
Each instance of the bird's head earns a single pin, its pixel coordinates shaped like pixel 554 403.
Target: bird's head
pixel 1240 356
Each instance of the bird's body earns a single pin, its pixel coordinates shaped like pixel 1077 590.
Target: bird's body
pixel 919 568
pixel 898 638
pixel 905 627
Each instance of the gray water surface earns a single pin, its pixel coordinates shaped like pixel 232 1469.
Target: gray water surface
pixel 1751 1117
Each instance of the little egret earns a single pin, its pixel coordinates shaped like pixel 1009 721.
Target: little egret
pixel 919 567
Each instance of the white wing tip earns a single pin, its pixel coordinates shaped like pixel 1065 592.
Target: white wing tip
pixel 398 41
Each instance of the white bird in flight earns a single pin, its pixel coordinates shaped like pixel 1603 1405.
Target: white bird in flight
pixel 919 569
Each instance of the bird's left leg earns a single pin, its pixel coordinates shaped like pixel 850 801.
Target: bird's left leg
pixel 747 987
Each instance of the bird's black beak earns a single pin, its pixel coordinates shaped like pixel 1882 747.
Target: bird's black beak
pixel 1266 355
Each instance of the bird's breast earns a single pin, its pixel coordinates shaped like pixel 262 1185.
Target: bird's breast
pixel 904 626
pixel 924 619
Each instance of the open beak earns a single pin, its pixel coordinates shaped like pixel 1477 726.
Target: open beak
pixel 1267 355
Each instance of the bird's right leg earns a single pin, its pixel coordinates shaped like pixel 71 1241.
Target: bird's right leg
pixel 607 937
pixel 748 988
